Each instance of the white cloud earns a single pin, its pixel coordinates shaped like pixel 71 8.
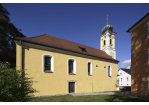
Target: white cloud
pixel 126 63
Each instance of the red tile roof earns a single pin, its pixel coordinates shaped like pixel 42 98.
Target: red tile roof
pixel 55 42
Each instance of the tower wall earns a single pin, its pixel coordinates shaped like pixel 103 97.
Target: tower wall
pixel 109 48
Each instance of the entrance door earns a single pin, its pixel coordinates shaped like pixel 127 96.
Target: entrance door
pixel 71 87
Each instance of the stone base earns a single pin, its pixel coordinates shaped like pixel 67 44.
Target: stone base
pixel 140 95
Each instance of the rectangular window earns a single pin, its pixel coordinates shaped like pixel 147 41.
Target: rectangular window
pixel 148 30
pixel 47 63
pixel 127 79
pixel 121 79
pixel 70 66
pixel 109 71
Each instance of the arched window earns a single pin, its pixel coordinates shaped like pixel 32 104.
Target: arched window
pixel 71 66
pixel 89 68
pixel 48 63
pixel 109 71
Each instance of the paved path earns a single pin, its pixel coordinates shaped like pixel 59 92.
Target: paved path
pixel 126 94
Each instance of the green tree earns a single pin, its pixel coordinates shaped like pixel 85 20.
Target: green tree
pixel 7 30
pixel 13 86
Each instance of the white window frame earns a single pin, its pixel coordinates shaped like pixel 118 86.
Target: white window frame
pixel 52 62
pixel 90 68
pixel 110 71
pixel 74 65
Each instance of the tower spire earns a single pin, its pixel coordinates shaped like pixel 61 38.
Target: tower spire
pixel 107 19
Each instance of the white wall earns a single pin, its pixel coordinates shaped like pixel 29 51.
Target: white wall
pixel 124 76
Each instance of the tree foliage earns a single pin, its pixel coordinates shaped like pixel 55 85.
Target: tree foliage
pixel 13 86
pixel 7 30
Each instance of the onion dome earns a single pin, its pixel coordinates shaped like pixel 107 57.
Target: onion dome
pixel 107 27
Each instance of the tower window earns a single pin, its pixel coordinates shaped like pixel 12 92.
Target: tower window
pixel 110 41
pixel 104 42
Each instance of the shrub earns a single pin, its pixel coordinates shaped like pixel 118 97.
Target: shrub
pixel 14 85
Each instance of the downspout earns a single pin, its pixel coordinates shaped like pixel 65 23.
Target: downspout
pixel 21 53
pixel 92 77
pixel 92 81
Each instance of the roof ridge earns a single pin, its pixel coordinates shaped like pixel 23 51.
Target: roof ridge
pixel 37 36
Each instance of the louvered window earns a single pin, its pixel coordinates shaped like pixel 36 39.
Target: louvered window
pixel 47 63
pixel 148 29
pixel 71 66
pixel 104 42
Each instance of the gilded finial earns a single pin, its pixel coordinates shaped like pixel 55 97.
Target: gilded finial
pixel 107 19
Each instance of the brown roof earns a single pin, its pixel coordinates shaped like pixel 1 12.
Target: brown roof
pixel 51 41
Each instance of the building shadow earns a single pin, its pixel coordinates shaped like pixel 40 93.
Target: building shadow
pixel 117 98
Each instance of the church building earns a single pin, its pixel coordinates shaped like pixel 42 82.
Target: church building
pixel 61 67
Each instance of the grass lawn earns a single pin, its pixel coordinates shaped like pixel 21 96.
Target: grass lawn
pixel 85 98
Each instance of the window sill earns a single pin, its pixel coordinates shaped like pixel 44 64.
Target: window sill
pixel 89 75
pixel 72 74
pixel 48 71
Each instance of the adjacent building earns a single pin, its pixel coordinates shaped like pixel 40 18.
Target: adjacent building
pixel 61 66
pixel 124 77
pixel 140 57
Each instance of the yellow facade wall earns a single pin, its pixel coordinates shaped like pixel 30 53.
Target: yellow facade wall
pixel 57 82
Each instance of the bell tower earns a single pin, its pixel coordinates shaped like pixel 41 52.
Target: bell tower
pixel 107 40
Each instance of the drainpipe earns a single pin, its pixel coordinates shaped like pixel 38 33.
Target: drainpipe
pixel 21 53
pixel 92 81
pixel 92 77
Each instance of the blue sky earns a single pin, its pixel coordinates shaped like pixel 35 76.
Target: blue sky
pixel 80 22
